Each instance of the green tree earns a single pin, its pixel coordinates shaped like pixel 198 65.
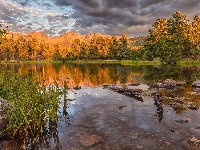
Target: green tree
pixel 57 56
pixel 124 51
pixel 2 33
pixel 167 49
pixel 113 48
pixel 177 25
pixel 168 40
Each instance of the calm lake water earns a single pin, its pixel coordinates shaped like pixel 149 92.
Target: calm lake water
pixel 95 117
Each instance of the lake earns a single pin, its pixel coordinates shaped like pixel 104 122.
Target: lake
pixel 97 115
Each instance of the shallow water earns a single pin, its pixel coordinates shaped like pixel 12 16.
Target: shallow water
pixel 95 117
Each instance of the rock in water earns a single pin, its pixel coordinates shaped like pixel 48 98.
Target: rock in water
pixel 3 118
pixel 169 83
pixel 196 84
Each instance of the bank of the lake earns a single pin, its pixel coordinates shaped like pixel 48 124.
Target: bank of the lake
pixel 122 62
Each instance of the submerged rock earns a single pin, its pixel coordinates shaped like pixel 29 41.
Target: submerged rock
pixel 77 87
pixel 193 143
pixel 171 130
pixel 120 107
pixel 196 84
pixel 133 84
pixel 3 117
pixel 89 140
pixel 193 106
pixel 182 121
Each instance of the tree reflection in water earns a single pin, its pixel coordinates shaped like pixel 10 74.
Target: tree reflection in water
pixel 158 102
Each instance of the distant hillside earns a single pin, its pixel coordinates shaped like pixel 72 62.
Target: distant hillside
pixel 137 41
pixel 66 39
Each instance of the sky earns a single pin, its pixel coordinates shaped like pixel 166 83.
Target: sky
pixel 113 17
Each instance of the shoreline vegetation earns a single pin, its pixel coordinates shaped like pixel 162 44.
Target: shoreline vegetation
pixel 32 105
pixel 122 62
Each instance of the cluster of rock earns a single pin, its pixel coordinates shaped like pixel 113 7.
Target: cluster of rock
pixel 125 90
pixel 169 84
pixel 3 117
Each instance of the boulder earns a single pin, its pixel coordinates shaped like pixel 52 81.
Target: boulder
pixel 180 83
pixel 169 83
pixel 3 117
pixel 196 84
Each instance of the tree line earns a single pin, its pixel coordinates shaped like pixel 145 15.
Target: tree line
pixel 97 48
pixel 172 40
pixel 168 40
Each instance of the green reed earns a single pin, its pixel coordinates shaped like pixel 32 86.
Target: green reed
pixel 32 105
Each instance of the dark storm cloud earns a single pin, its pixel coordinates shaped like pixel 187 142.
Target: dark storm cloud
pixel 25 2
pixel 22 2
pixel 63 2
pixel 124 14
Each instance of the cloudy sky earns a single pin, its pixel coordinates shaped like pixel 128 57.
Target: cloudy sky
pixel 55 17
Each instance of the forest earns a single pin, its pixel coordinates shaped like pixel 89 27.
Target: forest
pixel 168 40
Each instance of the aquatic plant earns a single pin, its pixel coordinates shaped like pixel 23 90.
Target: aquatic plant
pixel 32 104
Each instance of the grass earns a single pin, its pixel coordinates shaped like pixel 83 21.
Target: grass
pixel 188 63
pixel 122 62
pixel 32 105
pixel 131 62
pixel 93 61
pixel 30 62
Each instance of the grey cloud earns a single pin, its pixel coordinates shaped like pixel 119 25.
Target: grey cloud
pixel 49 31
pixel 5 17
pixel 105 16
pixel 63 31
pixel 47 5
pixel 22 2
pixel 25 2
pixel 148 3
pixel 128 13
pixel 63 2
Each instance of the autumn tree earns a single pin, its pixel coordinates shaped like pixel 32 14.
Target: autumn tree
pixel 196 31
pixel 76 48
pixel 158 30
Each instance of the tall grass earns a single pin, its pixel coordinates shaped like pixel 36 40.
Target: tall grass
pixel 32 105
